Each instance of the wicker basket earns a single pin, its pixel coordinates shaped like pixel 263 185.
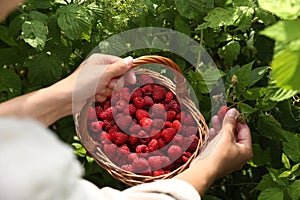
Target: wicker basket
pixel 179 89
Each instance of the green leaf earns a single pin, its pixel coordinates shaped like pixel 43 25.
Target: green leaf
pixel 267 17
pixel 254 93
pixel 44 69
pixel 246 109
pixel 243 17
pixel 75 21
pixel 194 9
pixel 10 82
pixel 287 9
pixel 275 93
pixel 230 52
pixel 35 33
pixel 270 128
pixel 256 75
pixel 285 174
pixel 285 161
pixel 181 25
pixel 286 69
pixel 35 15
pixel 291 146
pixel 260 157
pixel 243 75
pixel 5 37
pixel 294 190
pixel 219 17
pixel 287 116
pixel 295 167
pixel 40 4
pixel 271 194
pixel 266 182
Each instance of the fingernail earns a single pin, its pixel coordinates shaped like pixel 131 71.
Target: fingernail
pixel 232 113
pixel 129 61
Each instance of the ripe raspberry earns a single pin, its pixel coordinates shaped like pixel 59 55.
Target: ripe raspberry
pixel 144 140
pixel 190 130
pixel 132 140
pixel 132 157
pixel 171 115
pixel 158 172
pixel 96 127
pixel 158 162
pixel 123 121
pixel 145 79
pixel 139 102
pixel 168 124
pixel 128 168
pixel 146 123
pixel 186 156
pixel 142 148
pixel 140 164
pixel 110 150
pixel 180 115
pixel 157 124
pixel 155 134
pixel 140 114
pixel 136 93
pixel 107 125
pixel 124 94
pixel 114 128
pixel 91 114
pixel 131 109
pixel 153 145
pixel 173 105
pixel 168 134
pixel 169 97
pixel 188 120
pixel 108 113
pixel 176 125
pixel 174 152
pixel 148 102
pixel 98 110
pixel 147 90
pixel 159 93
pixel 157 111
pixel 221 113
pixel 120 105
pixel 161 143
pixel 105 138
pixel 123 151
pixel 194 143
pixel 178 139
pixel 106 105
pixel 119 137
pixel 134 129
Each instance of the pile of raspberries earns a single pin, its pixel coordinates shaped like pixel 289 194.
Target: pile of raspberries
pixel 143 129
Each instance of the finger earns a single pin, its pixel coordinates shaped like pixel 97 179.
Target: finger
pixel 105 92
pixel 244 135
pixel 230 121
pixel 212 134
pixel 100 98
pixel 130 77
pixel 119 67
pixel 217 124
pixel 112 83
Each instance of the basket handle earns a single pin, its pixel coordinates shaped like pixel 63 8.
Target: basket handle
pixel 154 59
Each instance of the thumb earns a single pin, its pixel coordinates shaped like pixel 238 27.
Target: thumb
pixel 230 120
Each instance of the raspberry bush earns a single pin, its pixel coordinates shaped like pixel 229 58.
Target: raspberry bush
pixel 254 43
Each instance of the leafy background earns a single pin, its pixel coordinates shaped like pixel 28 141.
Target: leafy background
pixel 255 44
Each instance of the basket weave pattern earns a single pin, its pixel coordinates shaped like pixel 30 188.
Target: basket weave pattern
pixel 178 87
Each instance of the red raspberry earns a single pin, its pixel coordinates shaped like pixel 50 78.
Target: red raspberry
pixel 144 140
pixel 180 115
pixel 190 130
pixel 194 140
pixel 161 143
pixel 173 105
pixel 91 114
pixel 147 90
pixel 110 150
pixel 186 156
pixel 96 126
pixel 124 94
pixel 145 79
pixel 221 113
pixel 176 125
pixel 139 102
pixel 158 172
pixel 142 149
pixel 148 102
pixel 123 151
pixel 98 110
pixel 168 124
pixel 140 114
pixel 158 162
pixel 174 152
pixel 178 139
pixel 158 111
pixel 108 114
pixel 171 115
pixel 136 93
pixel 114 128
pixel 158 124
pixel 140 164
pixel 123 121
pixel 119 138
pixel 188 120
pixel 106 105
pixel 132 140
pixel 107 125
pixel 120 105
pixel 105 138
pixel 153 145
pixel 128 168
pixel 159 93
pixel 131 109
pixel 155 134
pixel 146 123
pixel 134 129
pixel 168 134
pixel 132 156
pixel 169 97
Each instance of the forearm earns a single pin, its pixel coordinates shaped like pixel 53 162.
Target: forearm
pixel 45 105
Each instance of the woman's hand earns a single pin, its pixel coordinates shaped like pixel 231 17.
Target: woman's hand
pixel 228 151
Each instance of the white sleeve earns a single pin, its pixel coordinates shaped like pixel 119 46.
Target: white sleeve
pixel 36 165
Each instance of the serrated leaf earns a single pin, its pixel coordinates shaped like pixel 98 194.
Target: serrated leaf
pixel 271 194
pixel 256 75
pixel 291 146
pixel 267 17
pixel 35 15
pixel 182 25
pixel 266 182
pixel 243 75
pixel 246 109
pixel 44 69
pixel 41 4
pixel 230 52
pixel 287 9
pixel 5 37
pixel 10 82
pixel 194 9
pixel 254 93
pixel 294 190
pixel 34 33
pixel 265 104
pixel 286 69
pixel 287 116
pixel 270 128
pixel 275 93
pixel 243 16
pixel 285 161
pixel 75 21
pixel 260 157
pixel 219 17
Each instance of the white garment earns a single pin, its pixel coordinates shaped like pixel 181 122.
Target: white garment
pixel 36 165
